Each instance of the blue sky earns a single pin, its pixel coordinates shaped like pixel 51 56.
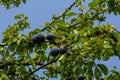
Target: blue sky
pixel 40 11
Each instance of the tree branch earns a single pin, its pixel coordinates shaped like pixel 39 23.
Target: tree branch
pixel 70 7
pixel 5 44
pixel 44 65
pixel 2 65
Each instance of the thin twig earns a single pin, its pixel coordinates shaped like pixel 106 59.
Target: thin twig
pixel 6 64
pixel 70 7
pixel 41 67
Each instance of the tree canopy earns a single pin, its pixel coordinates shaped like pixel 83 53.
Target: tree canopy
pixel 66 48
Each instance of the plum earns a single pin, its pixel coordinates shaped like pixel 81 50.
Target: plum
pixel 81 77
pixel 54 51
pixel 38 38
pixel 62 50
pixel 50 37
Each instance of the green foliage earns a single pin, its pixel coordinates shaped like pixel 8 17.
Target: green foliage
pixel 21 58
pixel 11 3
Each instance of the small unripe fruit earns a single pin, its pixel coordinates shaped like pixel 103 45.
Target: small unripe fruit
pixel 50 37
pixel 38 38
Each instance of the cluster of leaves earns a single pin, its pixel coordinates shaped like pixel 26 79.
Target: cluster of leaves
pixel 21 58
pixel 12 3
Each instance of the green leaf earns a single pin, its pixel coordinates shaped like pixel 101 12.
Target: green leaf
pixel 103 68
pixel 46 24
pixel 71 13
pixel 81 8
pixel 97 73
pixel 19 16
pixel 24 1
pixel 61 23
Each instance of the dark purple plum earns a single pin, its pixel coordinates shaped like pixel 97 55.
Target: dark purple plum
pixel 81 78
pixel 62 50
pixel 34 38
pixel 50 37
pixel 38 38
pixel 54 51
